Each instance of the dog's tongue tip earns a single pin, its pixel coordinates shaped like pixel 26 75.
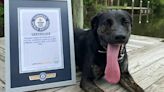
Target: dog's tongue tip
pixel 112 71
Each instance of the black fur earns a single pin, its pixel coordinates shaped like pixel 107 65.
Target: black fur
pixel 112 27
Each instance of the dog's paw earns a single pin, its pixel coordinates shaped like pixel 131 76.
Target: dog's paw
pixel 128 83
pixel 89 86
pixel 91 89
pixel 138 89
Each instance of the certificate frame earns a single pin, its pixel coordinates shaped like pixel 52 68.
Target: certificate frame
pixel 31 81
pixel 36 33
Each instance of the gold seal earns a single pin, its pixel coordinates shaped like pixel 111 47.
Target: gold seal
pixel 37 77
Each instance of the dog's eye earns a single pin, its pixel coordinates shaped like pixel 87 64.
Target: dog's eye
pixel 109 22
pixel 125 21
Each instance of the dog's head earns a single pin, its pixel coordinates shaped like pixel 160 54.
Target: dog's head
pixel 112 27
pixel 113 30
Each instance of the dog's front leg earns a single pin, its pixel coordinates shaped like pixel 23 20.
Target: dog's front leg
pixel 87 80
pixel 126 79
pixel 127 82
pixel 89 86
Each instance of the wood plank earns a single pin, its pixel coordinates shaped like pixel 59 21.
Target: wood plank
pixel 109 87
pixel 2 65
pixel 2 42
pixel 146 38
pixel 134 41
pixel 2 50
pixel 121 90
pixel 101 83
pixel 2 87
pixel 134 45
pixel 144 58
pixel 139 74
pixel 74 88
pixel 157 86
pixel 145 64
pixel 48 90
pixel 2 71
pixel 115 88
pixel 2 90
pixel 150 74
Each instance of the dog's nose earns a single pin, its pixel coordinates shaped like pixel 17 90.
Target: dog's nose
pixel 120 38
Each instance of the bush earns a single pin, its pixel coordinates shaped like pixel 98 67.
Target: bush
pixel 1 15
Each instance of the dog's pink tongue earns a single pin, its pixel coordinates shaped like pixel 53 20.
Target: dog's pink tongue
pixel 112 70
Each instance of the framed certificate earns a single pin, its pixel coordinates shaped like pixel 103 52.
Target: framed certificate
pixel 39 44
pixel 40 39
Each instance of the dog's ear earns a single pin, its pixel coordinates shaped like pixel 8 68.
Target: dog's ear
pixel 130 17
pixel 131 20
pixel 95 21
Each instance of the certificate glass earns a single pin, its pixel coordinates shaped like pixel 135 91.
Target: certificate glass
pixel 40 39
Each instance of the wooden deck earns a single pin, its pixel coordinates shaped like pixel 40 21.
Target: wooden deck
pixel 146 64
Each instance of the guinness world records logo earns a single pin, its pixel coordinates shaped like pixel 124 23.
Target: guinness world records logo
pixel 40 22
pixel 43 76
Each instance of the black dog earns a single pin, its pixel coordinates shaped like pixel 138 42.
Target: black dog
pixel 101 51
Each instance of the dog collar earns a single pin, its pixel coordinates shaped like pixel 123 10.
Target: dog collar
pixel 121 54
pixel 101 51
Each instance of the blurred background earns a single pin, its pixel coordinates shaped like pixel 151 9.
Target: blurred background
pixel 1 18
pixel 148 15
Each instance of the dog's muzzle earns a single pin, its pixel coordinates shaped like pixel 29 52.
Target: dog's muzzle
pixel 119 38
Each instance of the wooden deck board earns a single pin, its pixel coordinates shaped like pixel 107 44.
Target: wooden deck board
pixel 2 90
pixel 2 86
pixel 149 74
pixel 2 71
pixel 146 56
pixel 158 86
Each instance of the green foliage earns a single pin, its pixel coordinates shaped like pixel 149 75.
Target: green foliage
pixel 162 2
pixel 154 28
pixel 90 9
pixel 155 5
pixel 89 2
pixel 1 15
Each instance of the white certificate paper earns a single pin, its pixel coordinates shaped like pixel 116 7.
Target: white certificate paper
pixel 40 39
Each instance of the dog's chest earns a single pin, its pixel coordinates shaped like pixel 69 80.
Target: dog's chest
pixel 100 59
